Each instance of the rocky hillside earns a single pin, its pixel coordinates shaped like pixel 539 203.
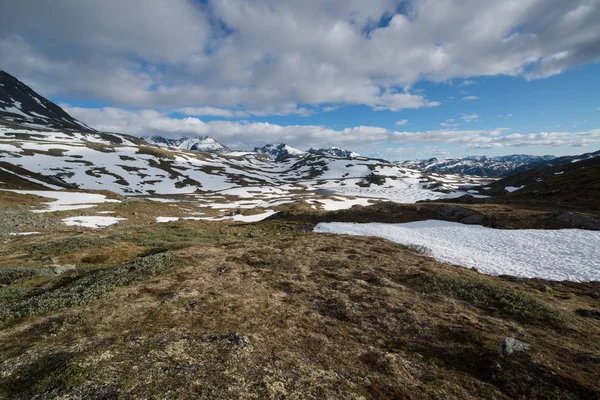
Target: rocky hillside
pixel 336 152
pixel 481 165
pixel 280 151
pixel 20 104
pixel 201 143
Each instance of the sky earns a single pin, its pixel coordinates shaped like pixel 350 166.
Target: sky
pixel 395 79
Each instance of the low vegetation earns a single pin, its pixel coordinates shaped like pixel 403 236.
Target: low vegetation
pixel 221 310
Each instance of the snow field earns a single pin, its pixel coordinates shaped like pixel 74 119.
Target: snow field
pixel 566 254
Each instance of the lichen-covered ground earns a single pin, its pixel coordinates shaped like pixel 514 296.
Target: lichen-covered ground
pixel 223 310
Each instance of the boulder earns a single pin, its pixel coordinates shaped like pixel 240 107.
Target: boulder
pixel 56 269
pixel 511 346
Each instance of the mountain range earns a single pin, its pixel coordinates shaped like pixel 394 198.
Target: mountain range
pixel 53 150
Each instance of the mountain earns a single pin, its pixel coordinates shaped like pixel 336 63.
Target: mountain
pixel 20 104
pixel 335 152
pixel 482 165
pixel 575 183
pixel 200 143
pixel 280 151
pixel 54 154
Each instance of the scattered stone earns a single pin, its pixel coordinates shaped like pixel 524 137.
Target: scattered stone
pixel 56 269
pixel 238 339
pixel 595 314
pixel 545 288
pixel 222 269
pixel 50 259
pixel 192 304
pixel 374 280
pixel 511 346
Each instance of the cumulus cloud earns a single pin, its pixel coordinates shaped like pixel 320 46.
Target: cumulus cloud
pixel 469 117
pixel 402 122
pixel 247 134
pixel 257 55
pixel 470 98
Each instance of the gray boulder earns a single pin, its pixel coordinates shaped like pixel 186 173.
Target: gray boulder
pixel 511 346
pixel 55 269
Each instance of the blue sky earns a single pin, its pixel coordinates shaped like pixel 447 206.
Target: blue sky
pixel 395 79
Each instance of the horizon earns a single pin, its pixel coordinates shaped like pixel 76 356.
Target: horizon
pixel 397 80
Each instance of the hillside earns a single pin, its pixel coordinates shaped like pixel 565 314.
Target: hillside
pixel 576 184
pixel 131 271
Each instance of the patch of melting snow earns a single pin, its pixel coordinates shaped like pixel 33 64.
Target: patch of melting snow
pixel 67 200
pixel 243 218
pixel 171 219
pixel 24 233
pixel 566 254
pixel 559 173
pixel 92 221
pixel 511 189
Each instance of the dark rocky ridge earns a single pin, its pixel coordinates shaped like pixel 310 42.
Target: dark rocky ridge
pixel 20 104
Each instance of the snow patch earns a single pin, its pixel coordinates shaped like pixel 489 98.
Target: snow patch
pixel 92 221
pixel 566 254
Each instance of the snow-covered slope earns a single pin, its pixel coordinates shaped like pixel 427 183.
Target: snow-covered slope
pixel 280 151
pixel 48 155
pixel 20 104
pixel 128 165
pixel 336 152
pixel 200 143
pixel 482 165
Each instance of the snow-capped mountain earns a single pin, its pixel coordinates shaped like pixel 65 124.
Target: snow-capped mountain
pixel 335 152
pixel 280 151
pixel 200 143
pixel 20 104
pixel 482 165
pixel 36 156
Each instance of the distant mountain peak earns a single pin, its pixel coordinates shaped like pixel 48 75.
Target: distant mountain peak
pixel 199 143
pixel 21 104
pixel 280 151
pixel 482 165
pixel 336 152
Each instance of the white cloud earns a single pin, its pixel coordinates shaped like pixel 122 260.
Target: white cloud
pixel 261 54
pixel 469 117
pixel 402 122
pixel 470 98
pixel 245 134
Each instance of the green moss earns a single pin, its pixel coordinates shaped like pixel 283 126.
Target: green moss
pixel 69 245
pixel 71 292
pixel 10 274
pixel 493 296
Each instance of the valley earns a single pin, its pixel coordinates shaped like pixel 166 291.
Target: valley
pixel 180 268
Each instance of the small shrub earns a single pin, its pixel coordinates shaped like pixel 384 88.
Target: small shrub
pixel 421 249
pixel 69 245
pixel 91 286
pixel 489 295
pixel 95 259
pixel 10 274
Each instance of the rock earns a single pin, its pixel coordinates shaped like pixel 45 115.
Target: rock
pixel 472 219
pixel 238 339
pixel 595 314
pixel 580 220
pixel 55 269
pixel 50 259
pixel 457 213
pixel 511 346
pixel 545 288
